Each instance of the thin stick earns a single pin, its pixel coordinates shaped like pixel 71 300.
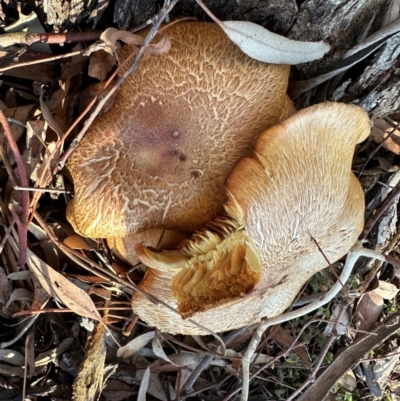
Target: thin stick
pixel 57 191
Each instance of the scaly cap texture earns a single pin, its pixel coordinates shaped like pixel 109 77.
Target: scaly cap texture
pixel 159 158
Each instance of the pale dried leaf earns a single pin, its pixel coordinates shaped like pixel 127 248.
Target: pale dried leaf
pixel 383 367
pixel 386 290
pixel 268 47
pixel 185 358
pixel 144 385
pixel 21 275
pixel 341 325
pixel 348 381
pixel 158 349
pixel 49 248
pixel 35 141
pixel 135 345
pixel 59 287
pixel 386 165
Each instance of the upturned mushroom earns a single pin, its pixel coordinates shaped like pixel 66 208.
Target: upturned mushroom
pixel 159 158
pixel 292 206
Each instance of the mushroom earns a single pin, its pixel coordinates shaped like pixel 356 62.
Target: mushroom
pixel 159 158
pixel 291 207
pixel 160 239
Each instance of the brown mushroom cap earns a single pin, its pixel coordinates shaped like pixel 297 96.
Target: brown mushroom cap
pixel 159 158
pixel 297 191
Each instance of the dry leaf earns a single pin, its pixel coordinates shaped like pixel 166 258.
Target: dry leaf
pixel 59 287
pixel 263 45
pixel 12 357
pixel 158 349
pixel 101 63
pixel 89 382
pixel 19 294
pixel 380 130
pixel 284 338
pixel 144 385
pixel 383 367
pixel 116 390
pixel 386 290
pixel 135 345
pixel 111 35
pixel 48 116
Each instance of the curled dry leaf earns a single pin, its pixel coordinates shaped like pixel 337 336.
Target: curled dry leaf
pixel 263 45
pixel 159 350
pixel 135 345
pixel 111 35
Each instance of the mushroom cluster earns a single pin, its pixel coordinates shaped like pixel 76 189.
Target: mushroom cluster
pixel 292 206
pixel 178 152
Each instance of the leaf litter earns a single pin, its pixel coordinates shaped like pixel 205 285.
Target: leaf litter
pixel 150 363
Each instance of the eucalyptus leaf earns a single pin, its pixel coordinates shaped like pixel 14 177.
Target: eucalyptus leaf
pixel 268 47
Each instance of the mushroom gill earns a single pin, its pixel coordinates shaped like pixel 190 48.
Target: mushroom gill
pixel 159 158
pixel 295 196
